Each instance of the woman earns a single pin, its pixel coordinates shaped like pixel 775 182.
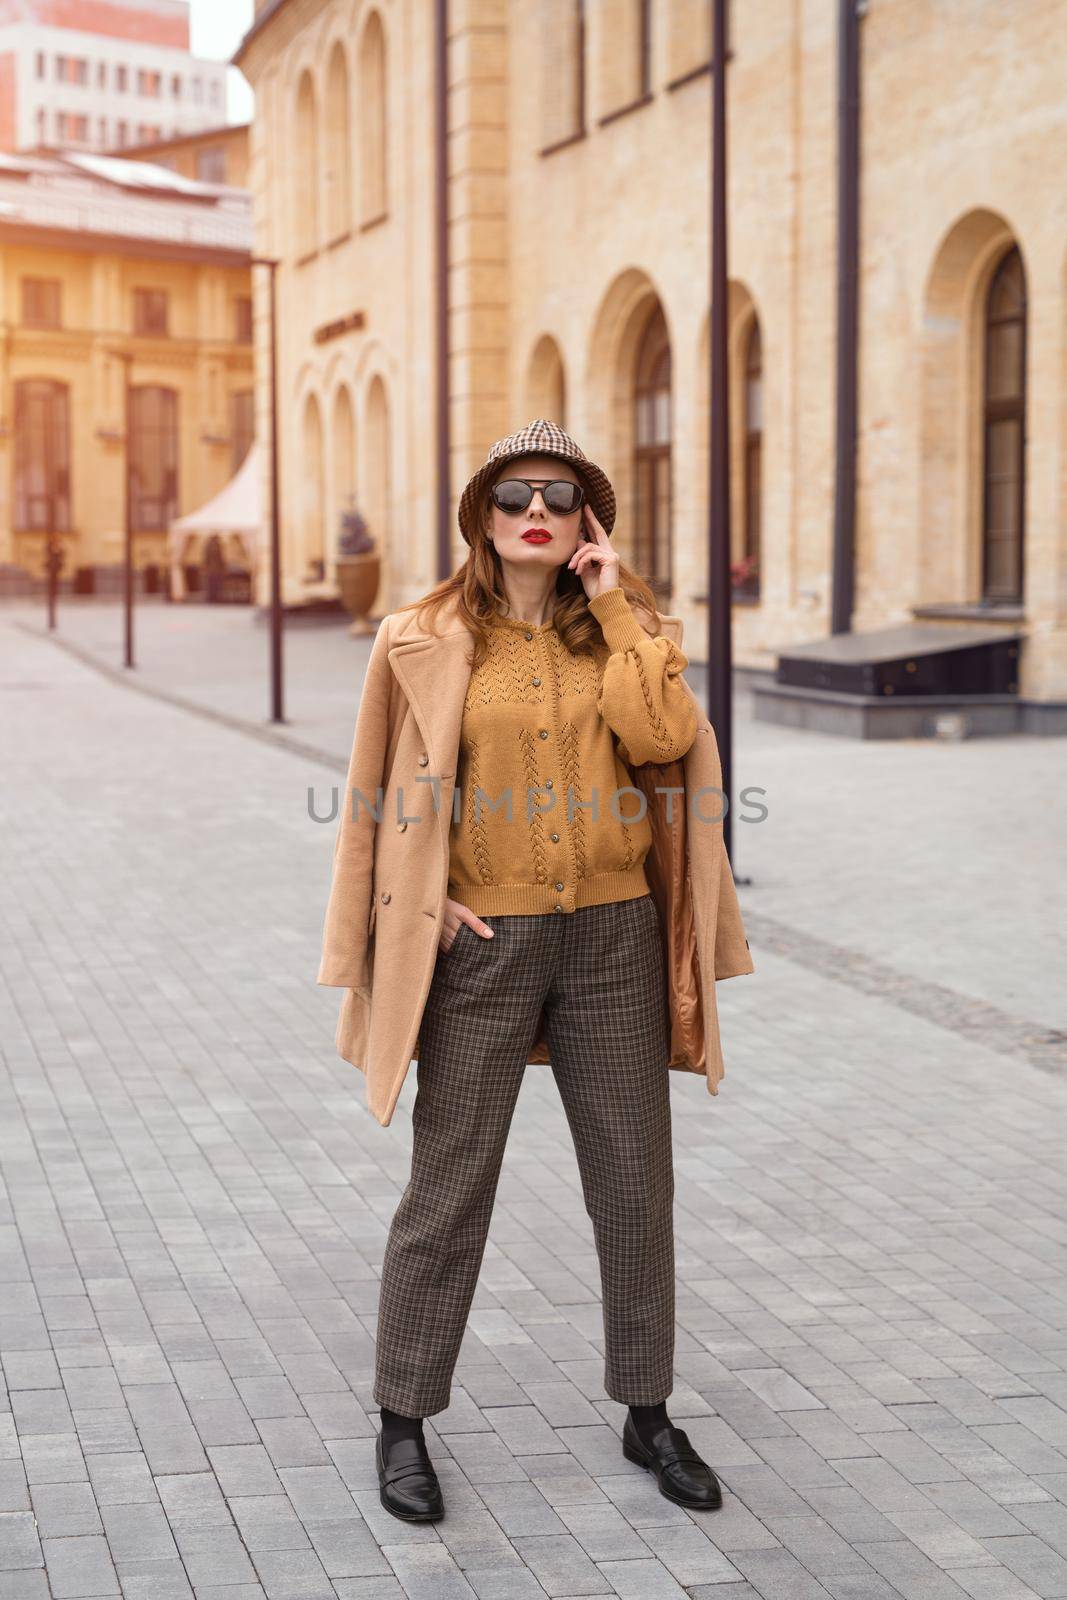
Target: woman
pixel 547 923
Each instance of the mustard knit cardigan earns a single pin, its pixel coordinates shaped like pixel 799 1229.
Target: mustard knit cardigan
pixel 543 820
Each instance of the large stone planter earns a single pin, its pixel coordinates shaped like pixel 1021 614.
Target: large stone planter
pixel 357 582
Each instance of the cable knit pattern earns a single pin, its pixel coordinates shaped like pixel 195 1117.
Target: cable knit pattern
pixel 571 763
pixel 475 823
pixel 555 732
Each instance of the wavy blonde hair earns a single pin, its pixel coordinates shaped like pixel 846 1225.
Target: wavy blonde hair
pixel 478 590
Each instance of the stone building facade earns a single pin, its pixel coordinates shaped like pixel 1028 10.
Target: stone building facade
pixel 107 266
pixel 578 184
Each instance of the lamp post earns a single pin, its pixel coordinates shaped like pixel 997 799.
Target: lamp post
pixel 719 647
pixel 442 378
pixel 843 582
pixel 126 357
pixel 276 714
pixel 54 556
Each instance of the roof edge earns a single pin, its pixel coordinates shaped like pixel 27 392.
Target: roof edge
pixel 269 12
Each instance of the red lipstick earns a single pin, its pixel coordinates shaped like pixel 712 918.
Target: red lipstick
pixel 537 535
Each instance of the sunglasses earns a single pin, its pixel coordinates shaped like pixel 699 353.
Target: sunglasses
pixel 559 494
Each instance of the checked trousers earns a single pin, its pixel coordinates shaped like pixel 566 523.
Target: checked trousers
pixel 598 972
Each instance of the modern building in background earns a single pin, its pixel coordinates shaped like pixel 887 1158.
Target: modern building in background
pixel 100 74
pixel 103 259
pixel 578 196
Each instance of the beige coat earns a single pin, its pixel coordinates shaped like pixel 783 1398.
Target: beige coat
pixel 386 904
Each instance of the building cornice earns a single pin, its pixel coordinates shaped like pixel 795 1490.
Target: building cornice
pixel 266 16
pixel 120 244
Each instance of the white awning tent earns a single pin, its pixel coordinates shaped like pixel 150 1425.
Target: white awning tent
pixel 236 511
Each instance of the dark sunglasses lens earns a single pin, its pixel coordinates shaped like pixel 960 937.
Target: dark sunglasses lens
pixel 562 497
pixel 512 495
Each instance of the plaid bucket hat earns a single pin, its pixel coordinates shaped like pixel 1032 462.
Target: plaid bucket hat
pixel 541 438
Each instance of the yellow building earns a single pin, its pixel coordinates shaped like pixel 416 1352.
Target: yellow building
pixel 214 155
pixel 579 270
pixel 103 259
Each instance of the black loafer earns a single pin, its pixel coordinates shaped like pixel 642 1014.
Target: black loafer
pixel 684 1477
pixel 407 1482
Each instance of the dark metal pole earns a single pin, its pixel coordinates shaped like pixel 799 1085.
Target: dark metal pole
pixel 277 713
pixel 126 359
pixel 848 204
pixel 277 709
pixel 53 555
pixel 444 432
pixel 719 645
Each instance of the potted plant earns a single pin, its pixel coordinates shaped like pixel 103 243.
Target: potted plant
pixel 358 569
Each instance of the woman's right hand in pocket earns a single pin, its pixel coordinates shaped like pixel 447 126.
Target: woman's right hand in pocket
pixel 455 915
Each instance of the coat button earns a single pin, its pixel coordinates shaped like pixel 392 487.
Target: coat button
pixel 543 733
pixel 400 827
pixel 555 838
pixel 536 682
pixel 423 759
pixel 548 783
pixel 559 886
pixel 527 635
pixel 386 897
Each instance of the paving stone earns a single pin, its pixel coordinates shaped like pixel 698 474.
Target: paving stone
pixel 154 1580
pixel 1031 1560
pixel 79 1568
pixel 20 1544
pixel 65 1509
pixel 24 1585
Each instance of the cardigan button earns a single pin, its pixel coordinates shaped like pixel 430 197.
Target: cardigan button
pixel 423 759
pixel 557 908
pixel 555 838
pixel 536 682
pixel 548 783
pixel 386 897
pixel 527 635
pixel 559 886
pixel 400 827
pixel 543 733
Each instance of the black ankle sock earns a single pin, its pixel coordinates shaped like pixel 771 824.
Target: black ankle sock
pixel 395 1425
pixel 647 1419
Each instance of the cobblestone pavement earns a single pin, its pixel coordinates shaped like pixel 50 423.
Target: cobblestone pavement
pixel 872 1298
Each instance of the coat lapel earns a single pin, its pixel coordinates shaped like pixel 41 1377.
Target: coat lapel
pixel 434 672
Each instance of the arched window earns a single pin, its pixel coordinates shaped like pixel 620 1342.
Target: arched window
pixel 652 455
pixel 313 530
pixel 546 389
pixel 343 440
pixel 374 121
pixel 377 491
pixel 337 151
pixel 153 447
pixel 1004 439
pixel 748 581
pixel 306 169
pixel 42 456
